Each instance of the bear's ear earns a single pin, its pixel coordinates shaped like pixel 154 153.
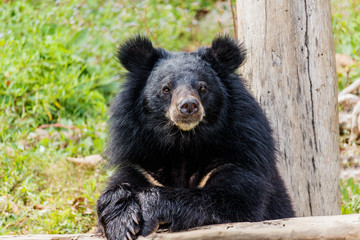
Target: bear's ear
pixel 137 54
pixel 225 54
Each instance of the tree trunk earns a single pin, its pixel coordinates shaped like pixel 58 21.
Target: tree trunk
pixel 291 71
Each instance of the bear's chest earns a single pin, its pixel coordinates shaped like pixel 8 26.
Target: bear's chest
pixel 182 172
pixel 178 174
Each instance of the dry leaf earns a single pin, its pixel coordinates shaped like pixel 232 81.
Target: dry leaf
pixel 90 161
pixel 41 207
pixel 343 60
pixel 78 202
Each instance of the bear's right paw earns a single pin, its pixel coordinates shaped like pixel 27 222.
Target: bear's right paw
pixel 119 213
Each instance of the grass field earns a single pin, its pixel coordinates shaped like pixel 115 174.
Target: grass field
pixel 57 65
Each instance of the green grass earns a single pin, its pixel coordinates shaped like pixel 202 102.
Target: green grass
pixel 350 196
pixel 58 59
pixel 57 65
pixel 346 27
pixel 35 173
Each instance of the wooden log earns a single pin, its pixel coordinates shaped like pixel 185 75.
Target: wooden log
pixel 85 236
pixel 354 87
pixel 324 227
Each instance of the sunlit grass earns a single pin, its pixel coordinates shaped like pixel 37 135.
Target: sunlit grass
pixel 58 65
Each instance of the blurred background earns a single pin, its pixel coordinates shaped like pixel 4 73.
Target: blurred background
pixel 58 74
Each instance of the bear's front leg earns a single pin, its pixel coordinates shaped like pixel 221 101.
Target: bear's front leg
pixel 119 213
pixel 230 195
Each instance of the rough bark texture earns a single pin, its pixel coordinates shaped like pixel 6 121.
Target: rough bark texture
pixel 291 71
pixel 330 227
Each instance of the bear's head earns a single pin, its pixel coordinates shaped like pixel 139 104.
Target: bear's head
pixel 179 88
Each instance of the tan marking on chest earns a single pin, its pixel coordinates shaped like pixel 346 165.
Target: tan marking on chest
pixel 206 178
pixel 148 176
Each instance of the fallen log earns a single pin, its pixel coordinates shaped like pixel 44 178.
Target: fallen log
pixel 323 227
pixel 354 87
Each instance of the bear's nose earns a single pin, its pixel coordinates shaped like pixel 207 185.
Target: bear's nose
pixel 188 106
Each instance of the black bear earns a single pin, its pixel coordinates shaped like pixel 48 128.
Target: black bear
pixel 191 146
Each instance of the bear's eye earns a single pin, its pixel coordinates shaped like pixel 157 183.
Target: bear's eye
pixel 166 89
pixel 202 87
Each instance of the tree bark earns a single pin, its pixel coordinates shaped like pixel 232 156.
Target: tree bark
pixel 291 71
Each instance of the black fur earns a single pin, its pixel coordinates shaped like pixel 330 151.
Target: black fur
pixel 160 167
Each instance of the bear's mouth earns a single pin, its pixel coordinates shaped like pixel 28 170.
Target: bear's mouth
pixel 185 110
pixel 185 122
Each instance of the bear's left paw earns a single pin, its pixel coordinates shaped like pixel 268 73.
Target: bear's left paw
pixel 119 214
pixel 152 211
